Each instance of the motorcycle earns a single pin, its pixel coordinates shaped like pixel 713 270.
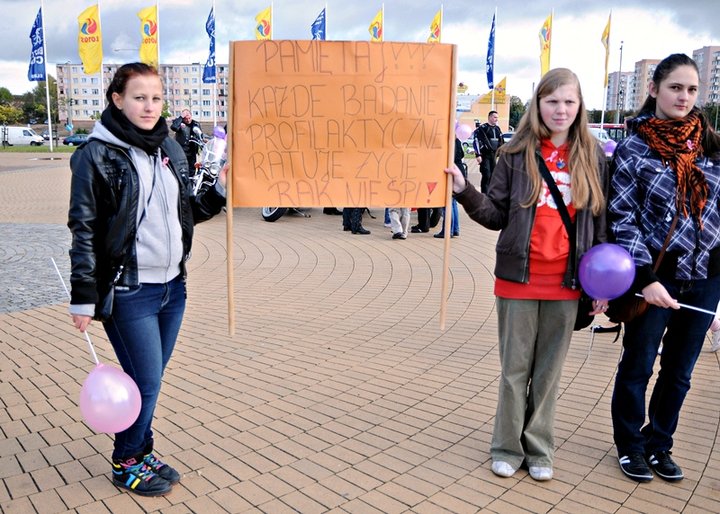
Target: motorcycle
pixel 275 213
pixel 212 160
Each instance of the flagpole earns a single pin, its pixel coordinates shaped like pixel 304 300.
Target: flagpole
pixel 492 96
pixel 102 70
pixel 47 75
pixel 326 24
pixel 383 22
pixel 214 95
pixel 157 31
pixel 442 15
pixel 272 22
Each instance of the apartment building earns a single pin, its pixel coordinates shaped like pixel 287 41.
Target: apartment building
pixel 708 61
pixel 81 97
pixel 618 91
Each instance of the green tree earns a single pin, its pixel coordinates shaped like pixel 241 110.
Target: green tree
pixel 517 109
pixel 10 115
pixel 34 103
pixel 6 96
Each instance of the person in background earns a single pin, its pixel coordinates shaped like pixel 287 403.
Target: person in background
pixel 187 132
pixel 131 217
pixel 487 139
pixel 536 264
pixel 665 174
pixel 455 221
pixel 352 220
pixel 399 221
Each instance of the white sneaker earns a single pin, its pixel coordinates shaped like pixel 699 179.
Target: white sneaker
pixel 502 469
pixel 540 474
pixel 715 346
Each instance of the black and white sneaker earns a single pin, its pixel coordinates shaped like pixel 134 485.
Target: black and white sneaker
pixel 634 466
pixel 665 467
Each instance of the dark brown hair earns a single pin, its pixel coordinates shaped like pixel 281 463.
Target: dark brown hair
pixel 124 74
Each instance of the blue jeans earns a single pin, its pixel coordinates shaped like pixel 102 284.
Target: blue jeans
pixel 143 329
pixel 387 216
pixel 455 222
pixel 684 333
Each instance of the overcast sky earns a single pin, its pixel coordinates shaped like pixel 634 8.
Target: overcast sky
pixel 649 28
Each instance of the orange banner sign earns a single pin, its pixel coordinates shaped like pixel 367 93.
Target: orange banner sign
pixel 341 123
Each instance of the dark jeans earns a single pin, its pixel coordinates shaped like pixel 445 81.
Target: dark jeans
pixel 487 166
pixel 143 329
pixel 684 333
pixel 352 218
pixel 428 217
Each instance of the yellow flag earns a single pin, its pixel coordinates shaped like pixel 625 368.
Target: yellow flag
pixel 376 27
pixel 500 89
pixel 435 28
pixel 149 32
pixel 545 40
pixel 605 39
pixel 263 24
pixel 90 40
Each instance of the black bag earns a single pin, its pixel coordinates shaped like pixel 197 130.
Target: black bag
pixel 583 319
pixel 626 308
pixel 104 308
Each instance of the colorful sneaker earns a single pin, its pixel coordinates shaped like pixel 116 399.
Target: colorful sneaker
pixel 160 468
pixel 138 478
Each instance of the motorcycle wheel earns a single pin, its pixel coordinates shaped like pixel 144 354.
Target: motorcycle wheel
pixel 273 213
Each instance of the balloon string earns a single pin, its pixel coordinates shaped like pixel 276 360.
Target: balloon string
pixel 87 336
pixel 691 307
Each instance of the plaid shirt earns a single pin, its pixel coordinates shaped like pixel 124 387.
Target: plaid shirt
pixel 642 206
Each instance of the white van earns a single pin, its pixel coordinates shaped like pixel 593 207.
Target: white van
pixel 600 134
pixel 10 136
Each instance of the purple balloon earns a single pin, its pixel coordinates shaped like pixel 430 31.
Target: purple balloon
pixel 606 271
pixel 109 400
pixel 609 147
pixel 463 131
pixel 218 131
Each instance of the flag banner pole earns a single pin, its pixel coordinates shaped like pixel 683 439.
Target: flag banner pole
pixel 229 200
pixel 447 231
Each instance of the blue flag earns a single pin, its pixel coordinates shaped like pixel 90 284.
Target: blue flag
pixel 36 70
pixel 317 29
pixel 490 63
pixel 209 74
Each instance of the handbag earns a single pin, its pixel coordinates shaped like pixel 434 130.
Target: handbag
pixel 628 306
pixel 583 318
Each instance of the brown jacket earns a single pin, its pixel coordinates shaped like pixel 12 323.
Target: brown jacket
pixel 501 209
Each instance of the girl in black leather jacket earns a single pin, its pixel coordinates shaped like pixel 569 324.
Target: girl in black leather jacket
pixel 131 217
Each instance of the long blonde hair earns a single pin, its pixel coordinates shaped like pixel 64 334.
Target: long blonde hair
pixel 583 155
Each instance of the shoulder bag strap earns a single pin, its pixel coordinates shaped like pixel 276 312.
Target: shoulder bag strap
pixel 666 243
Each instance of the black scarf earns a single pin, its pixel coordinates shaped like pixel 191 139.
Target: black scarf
pixel 117 123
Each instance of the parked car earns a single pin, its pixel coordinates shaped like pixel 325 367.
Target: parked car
pixel 468 145
pixel 507 136
pixel 45 135
pixel 75 139
pixel 10 136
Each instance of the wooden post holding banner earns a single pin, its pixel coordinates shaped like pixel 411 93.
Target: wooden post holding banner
pixel 229 214
pixel 447 230
pixel 340 124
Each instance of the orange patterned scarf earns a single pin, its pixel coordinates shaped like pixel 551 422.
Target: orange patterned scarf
pixel 678 143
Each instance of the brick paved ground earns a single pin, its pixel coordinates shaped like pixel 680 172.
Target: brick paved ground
pixel 337 393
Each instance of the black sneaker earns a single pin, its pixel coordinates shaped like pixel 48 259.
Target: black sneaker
pixel 162 469
pixel 665 467
pixel 634 466
pixel 137 477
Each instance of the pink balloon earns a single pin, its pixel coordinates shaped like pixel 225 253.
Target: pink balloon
pixel 109 400
pixel 463 131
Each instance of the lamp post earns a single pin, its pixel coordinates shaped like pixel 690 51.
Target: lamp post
pixel 619 88
pixel 68 89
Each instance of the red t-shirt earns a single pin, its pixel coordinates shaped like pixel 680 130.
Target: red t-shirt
pixel 549 241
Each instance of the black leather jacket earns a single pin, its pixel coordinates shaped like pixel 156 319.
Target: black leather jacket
pixel 103 215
